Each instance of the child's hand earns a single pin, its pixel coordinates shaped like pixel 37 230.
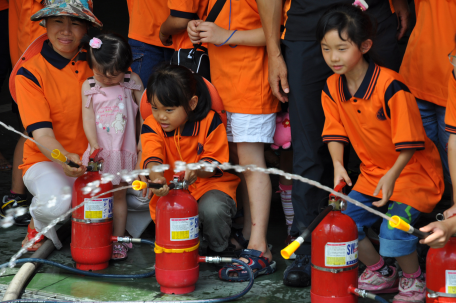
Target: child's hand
pixel 73 171
pixel 209 32
pixel 386 185
pixel 190 176
pixel 144 179
pixel 159 192
pixel 450 212
pixel 441 233
pixel 340 174
pixel 193 32
pixel 166 40
pixel 93 148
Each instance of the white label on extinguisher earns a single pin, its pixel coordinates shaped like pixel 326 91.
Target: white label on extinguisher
pixel 338 254
pixel 183 229
pixel 450 281
pixel 98 208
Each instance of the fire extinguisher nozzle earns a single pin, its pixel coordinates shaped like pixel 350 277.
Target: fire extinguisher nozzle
pixel 290 249
pixel 138 185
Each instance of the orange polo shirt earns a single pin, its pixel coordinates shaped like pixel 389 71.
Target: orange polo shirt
pixel 48 93
pixel 22 31
pixel 3 5
pixel 146 17
pixel 425 66
pixel 187 9
pixel 240 74
pixel 200 141
pixel 380 120
pixel 450 114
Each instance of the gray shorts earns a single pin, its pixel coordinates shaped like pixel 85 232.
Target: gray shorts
pixel 215 212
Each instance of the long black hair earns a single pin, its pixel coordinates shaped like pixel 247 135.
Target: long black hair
pixel 113 57
pixel 175 86
pixel 349 20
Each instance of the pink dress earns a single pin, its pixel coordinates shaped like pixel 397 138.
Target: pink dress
pixel 115 118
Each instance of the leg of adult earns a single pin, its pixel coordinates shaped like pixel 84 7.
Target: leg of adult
pixel 146 57
pixel 443 141
pixel 215 210
pixel 307 74
pixel 386 46
pixel 45 181
pixel 119 211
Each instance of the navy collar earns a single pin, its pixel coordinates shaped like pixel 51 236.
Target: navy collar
pixel 53 57
pixel 367 86
pixel 190 129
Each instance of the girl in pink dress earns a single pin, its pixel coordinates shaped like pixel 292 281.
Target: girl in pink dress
pixel 110 102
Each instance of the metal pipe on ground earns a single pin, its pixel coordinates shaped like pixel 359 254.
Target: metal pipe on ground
pixel 22 277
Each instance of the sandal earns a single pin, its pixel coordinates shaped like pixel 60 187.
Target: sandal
pixel 256 261
pixel 239 237
pixel 31 233
pixel 120 249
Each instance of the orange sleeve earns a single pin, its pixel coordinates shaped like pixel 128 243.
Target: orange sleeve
pixel 186 9
pixel 33 106
pixel 334 129
pixel 216 145
pixel 407 130
pixel 152 144
pixel 450 115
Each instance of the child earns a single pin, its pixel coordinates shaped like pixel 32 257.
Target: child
pixel 183 127
pixel 239 72
pixel 370 106
pixel 110 101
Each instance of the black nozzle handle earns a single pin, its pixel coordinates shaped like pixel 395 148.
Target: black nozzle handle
pixel 158 186
pixel 317 221
pixel 420 234
pixel 72 164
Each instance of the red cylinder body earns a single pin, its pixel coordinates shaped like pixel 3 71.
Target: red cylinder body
pixel 176 228
pixel 441 271
pixel 91 245
pixel 334 246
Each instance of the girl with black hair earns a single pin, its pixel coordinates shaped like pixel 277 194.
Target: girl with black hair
pixel 110 101
pixel 183 127
pixel 401 171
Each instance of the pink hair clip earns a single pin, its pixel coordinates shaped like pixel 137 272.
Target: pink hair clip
pixel 361 4
pixel 95 43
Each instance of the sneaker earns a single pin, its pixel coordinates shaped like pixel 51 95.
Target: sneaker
pixel 288 241
pixel 15 201
pixel 375 282
pixel 298 273
pixel 411 290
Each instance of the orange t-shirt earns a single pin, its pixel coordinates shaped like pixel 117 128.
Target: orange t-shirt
pixel 3 5
pixel 425 66
pixel 381 119
pixel 48 93
pixel 187 9
pixel 22 31
pixel 450 114
pixel 240 74
pixel 146 17
pixel 200 141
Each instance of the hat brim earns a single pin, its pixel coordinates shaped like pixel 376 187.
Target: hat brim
pixel 68 10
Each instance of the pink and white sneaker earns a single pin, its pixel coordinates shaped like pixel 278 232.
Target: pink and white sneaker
pixel 411 290
pixel 375 282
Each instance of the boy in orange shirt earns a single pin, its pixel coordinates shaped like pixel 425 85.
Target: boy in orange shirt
pixel 239 65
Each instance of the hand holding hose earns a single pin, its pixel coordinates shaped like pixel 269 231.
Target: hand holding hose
pixel 162 191
pixel 72 171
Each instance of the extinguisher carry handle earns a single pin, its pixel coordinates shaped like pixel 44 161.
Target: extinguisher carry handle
pixel 180 176
pixel 338 188
pixel 94 156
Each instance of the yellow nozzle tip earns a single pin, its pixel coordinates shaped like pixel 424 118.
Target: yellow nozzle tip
pixel 398 223
pixel 56 154
pixel 290 249
pixel 138 185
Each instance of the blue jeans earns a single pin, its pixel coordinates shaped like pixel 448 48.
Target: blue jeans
pixel 393 242
pixel 146 57
pixel 433 117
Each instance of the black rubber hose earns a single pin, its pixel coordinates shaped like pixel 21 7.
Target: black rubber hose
pixel 225 299
pixel 317 221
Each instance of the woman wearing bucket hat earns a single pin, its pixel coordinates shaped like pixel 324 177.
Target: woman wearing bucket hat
pixel 46 84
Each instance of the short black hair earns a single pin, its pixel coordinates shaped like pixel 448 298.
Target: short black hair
pixel 113 57
pixel 348 19
pixel 175 85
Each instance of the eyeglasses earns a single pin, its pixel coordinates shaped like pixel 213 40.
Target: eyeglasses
pixel 452 57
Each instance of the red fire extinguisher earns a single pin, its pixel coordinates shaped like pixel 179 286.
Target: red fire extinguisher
pixel 91 244
pixel 334 255
pixel 176 239
pixel 441 273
